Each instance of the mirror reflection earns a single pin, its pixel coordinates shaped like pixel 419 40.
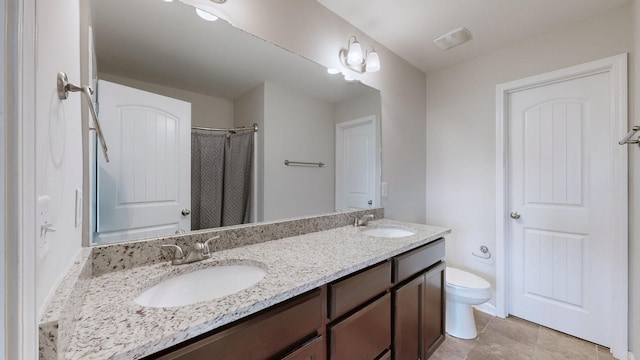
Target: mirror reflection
pixel 180 99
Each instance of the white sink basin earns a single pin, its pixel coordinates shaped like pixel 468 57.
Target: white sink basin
pixel 206 284
pixel 388 232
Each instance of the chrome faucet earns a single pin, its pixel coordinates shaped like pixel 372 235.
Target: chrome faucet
pixel 199 252
pixel 363 221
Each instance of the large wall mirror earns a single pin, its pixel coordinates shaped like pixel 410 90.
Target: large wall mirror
pixel 179 98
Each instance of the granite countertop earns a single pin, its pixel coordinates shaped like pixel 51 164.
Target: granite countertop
pixel 112 326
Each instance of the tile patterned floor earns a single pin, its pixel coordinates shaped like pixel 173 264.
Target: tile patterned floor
pixel 515 339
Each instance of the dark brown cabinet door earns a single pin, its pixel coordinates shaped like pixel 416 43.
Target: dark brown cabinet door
pixel 434 309
pixel 418 326
pixel 407 333
pixel 364 335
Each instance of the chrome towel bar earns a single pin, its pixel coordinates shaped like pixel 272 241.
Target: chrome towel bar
pixel 302 163
pixel 64 87
pixel 253 128
pixel 627 139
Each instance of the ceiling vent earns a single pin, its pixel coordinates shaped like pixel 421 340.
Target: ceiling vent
pixel 453 38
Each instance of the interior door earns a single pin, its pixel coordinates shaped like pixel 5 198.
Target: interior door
pixel 145 189
pixel 560 229
pixel 356 164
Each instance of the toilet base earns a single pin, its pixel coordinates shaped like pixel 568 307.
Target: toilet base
pixel 460 320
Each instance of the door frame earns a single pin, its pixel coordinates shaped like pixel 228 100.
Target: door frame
pixel 20 167
pixel 340 127
pixel 616 66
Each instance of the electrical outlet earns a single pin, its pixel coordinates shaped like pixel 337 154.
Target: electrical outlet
pixel 78 208
pixel 384 190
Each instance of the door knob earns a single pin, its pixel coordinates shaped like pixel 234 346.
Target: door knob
pixel 515 215
pixel 186 212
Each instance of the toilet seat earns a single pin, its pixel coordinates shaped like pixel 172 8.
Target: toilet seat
pixel 465 280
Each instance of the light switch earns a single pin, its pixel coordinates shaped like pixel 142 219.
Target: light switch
pixel 78 208
pixel 383 190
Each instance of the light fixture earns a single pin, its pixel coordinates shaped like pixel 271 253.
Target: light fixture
pixel 352 57
pixel 208 9
pixel 349 77
pixel 205 15
pixel 333 71
pixel 372 60
pixel 354 52
pixel 453 38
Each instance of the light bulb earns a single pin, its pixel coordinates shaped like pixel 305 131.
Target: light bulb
pixel 205 15
pixel 332 71
pixel 355 53
pixel 373 62
pixel 349 77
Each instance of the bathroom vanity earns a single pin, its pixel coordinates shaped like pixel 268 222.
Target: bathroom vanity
pixel 330 294
pixel 350 318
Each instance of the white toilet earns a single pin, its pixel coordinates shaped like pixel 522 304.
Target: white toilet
pixel 463 290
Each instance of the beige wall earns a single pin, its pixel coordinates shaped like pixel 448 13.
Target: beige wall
pixel 297 127
pixel 461 125
pixel 309 29
pixel 249 109
pixel 352 109
pixel 58 139
pixel 634 189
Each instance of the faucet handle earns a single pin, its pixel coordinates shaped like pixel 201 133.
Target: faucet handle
pixel 207 249
pixel 178 253
pixel 364 220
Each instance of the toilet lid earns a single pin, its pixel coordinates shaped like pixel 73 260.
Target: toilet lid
pixel 459 278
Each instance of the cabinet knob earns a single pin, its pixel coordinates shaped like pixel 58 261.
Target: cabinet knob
pixel 186 212
pixel 515 215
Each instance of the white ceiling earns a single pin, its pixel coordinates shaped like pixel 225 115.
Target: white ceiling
pixel 408 27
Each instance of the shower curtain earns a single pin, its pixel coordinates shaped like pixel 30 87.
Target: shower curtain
pixel 220 179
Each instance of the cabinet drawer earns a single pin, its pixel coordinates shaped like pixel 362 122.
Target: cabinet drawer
pixel 413 262
pixel 363 335
pixel 357 289
pixel 260 337
pixel 311 350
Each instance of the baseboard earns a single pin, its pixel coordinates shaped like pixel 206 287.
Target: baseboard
pixel 486 308
pixel 630 356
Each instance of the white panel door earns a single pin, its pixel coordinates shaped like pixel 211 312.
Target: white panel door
pixel 356 164
pixel 559 161
pixel 144 189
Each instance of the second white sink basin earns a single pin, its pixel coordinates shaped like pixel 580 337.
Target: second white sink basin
pixel 388 232
pixel 201 285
